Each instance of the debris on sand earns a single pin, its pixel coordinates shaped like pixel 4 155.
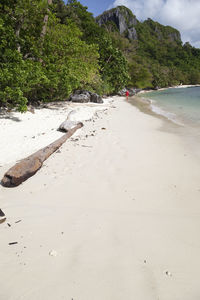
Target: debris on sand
pixel 53 253
pixel 13 243
pixel 2 217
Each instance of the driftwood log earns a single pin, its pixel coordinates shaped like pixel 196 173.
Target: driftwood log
pixel 67 125
pixel 28 166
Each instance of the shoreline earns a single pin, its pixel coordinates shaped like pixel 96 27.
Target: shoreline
pixel 188 133
pixel 118 204
pixel 144 105
pixel 152 108
pixel 170 87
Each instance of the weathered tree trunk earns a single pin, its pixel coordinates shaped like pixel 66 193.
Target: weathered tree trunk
pixel 67 125
pixel 44 28
pixel 27 167
pixel 17 33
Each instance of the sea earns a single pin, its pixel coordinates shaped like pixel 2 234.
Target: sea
pixel 180 105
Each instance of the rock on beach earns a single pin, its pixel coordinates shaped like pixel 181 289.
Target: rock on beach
pixel 85 97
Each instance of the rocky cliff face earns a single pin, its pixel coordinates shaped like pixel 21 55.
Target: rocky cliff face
pixel 123 18
pixel 175 36
pixel 162 32
pixel 128 25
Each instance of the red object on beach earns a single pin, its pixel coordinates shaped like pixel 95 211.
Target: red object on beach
pixel 127 93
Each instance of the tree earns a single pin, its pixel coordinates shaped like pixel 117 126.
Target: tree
pixel 41 60
pixel 112 63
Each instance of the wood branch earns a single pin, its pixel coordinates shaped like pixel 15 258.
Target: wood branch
pixel 44 28
pixel 45 21
pixel 27 55
pixel 27 167
pixel 107 61
pixel 17 32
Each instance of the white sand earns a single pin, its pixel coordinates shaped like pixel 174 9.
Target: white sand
pixel 118 212
pixel 23 134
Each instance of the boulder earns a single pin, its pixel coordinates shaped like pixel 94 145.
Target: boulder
pixel 96 98
pixel 122 92
pixel 81 98
pixel 85 96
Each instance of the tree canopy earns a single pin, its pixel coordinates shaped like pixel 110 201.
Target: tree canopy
pixel 47 50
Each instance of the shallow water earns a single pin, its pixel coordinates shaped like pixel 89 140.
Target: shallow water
pixel 181 105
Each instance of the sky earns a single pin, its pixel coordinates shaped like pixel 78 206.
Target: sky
pixel 183 15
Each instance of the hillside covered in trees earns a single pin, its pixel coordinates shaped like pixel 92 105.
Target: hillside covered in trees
pixel 48 49
pixel 155 53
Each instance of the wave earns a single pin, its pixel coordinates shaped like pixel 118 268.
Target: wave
pixel 160 111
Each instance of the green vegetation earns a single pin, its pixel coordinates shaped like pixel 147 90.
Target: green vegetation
pixel 157 58
pixel 113 68
pixel 168 61
pixel 48 49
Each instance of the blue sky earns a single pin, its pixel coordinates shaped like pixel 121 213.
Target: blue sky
pixel 97 7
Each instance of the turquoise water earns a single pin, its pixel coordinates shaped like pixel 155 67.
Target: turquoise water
pixel 181 105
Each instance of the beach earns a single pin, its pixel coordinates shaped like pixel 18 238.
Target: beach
pixel 114 214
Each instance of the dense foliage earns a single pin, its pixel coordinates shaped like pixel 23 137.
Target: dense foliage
pixel 157 58
pixel 48 49
pixel 113 68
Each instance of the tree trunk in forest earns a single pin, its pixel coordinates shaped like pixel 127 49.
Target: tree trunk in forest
pixel 44 28
pixel 27 167
pixel 17 33
pixel 18 27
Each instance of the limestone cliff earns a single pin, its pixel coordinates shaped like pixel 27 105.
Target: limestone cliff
pixel 123 18
pixel 128 25
pixel 162 32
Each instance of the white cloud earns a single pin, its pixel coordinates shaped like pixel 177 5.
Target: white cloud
pixel 181 14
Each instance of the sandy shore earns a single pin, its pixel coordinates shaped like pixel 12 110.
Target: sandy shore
pixel 114 215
